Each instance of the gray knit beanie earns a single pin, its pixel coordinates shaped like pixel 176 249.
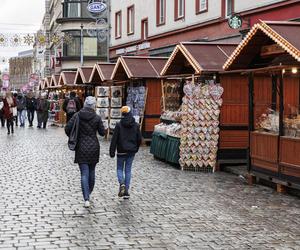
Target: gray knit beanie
pixel 90 102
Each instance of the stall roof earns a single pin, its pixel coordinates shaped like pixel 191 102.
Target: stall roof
pixel 42 84
pixel 134 67
pixel 83 75
pixel 102 72
pixel 197 57
pixel 266 33
pixel 54 81
pixel 67 78
pixel 47 81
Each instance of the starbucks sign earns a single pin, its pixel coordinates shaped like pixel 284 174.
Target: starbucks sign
pixel 235 21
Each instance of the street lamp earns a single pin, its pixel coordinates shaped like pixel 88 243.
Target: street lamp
pixel 81 44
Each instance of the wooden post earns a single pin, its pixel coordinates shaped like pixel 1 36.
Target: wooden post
pixel 251 179
pixel 281 188
pixel 281 106
pixel 274 92
pixel 251 116
pixel 163 96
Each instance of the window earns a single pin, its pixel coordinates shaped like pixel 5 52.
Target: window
pixel 179 9
pixel 91 46
pixel 160 12
pixel 130 20
pixel 144 29
pixel 229 7
pixel 118 25
pixel 201 6
pixel 75 9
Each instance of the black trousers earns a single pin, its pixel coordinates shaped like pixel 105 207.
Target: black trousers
pixel 30 115
pixel 2 120
pixel 10 124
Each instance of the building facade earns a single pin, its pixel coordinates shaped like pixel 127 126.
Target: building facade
pixel 20 69
pixel 63 22
pixel 153 27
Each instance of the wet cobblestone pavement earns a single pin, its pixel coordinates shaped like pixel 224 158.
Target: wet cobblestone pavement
pixel 41 204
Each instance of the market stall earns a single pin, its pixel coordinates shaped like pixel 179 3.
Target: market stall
pixel 67 83
pixel 141 82
pixel 106 95
pixel 55 97
pixel 270 56
pixel 220 119
pixel 82 78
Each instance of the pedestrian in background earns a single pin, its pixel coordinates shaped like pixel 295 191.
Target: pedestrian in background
pixel 31 107
pixel 127 140
pixel 21 108
pixel 71 105
pixel 15 95
pixel 9 109
pixel 87 150
pixel 2 120
pixel 42 111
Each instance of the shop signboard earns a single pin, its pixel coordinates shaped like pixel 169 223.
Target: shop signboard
pixel 134 48
pixel 96 6
pixel 235 21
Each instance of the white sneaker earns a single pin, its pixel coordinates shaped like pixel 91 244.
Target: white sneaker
pixel 87 204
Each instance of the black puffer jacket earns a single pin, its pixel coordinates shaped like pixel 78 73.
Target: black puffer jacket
pixel 88 147
pixel 126 138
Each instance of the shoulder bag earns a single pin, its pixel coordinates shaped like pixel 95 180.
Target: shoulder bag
pixel 73 137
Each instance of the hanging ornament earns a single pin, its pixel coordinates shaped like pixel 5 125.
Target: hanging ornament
pixel 3 40
pixel 28 39
pixel 102 35
pixel 41 39
pixel 55 39
pixel 67 38
pixel 3 60
pixel 15 40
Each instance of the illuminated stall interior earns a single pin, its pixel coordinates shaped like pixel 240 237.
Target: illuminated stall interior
pixel 270 57
pixel 202 62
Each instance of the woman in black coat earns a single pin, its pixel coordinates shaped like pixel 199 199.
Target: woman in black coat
pixel 87 150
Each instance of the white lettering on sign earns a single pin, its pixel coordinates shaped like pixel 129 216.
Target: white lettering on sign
pixel 120 51
pixel 144 46
pixel 133 48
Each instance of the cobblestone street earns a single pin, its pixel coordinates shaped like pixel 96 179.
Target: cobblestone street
pixel 42 208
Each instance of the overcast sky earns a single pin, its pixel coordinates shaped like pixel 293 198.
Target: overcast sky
pixel 19 16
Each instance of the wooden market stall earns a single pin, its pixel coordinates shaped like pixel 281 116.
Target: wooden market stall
pixel 47 82
pixel 41 85
pixel 54 81
pixel 100 80
pixel 202 62
pixel 270 57
pixel 67 83
pixel 141 79
pixel 82 78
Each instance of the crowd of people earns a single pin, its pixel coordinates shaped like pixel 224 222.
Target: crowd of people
pixel 125 141
pixel 16 108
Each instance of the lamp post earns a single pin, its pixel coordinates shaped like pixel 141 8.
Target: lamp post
pixel 81 44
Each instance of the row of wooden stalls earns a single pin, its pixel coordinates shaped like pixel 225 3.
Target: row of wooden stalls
pixel 209 103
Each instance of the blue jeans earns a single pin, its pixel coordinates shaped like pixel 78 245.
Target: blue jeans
pixel 22 116
pixel 30 115
pixel 124 162
pixel 87 179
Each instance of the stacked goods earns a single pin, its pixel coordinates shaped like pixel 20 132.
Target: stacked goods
pixel 136 99
pixel 109 102
pixel 200 126
pixel 172 95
